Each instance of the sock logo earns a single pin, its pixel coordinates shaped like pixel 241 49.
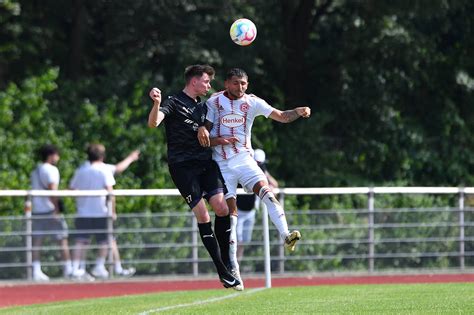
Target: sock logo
pixel 210 235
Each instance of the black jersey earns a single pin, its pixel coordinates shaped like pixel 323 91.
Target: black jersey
pixel 183 116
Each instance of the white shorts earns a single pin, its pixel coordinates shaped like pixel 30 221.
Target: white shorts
pixel 243 169
pixel 245 224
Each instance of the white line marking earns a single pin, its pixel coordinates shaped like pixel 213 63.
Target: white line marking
pixel 217 299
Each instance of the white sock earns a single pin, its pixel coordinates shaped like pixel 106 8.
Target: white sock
pixel 233 242
pixel 76 265
pixel 118 267
pixel 277 215
pixel 36 266
pixel 82 265
pixel 100 262
pixel 67 267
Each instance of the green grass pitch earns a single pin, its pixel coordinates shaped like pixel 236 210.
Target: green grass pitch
pixel 455 298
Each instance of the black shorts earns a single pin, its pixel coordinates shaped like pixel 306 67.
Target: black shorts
pixel 99 225
pixel 196 179
pixel 48 224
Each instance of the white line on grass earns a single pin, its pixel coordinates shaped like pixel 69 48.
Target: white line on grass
pixel 216 299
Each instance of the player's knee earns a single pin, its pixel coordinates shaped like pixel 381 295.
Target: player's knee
pixel 221 209
pixel 265 191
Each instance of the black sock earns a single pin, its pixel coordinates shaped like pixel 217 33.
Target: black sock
pixel 209 241
pixel 222 228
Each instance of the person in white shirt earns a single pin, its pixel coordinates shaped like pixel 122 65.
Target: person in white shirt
pixel 117 169
pixel 230 117
pixel 92 212
pixel 47 219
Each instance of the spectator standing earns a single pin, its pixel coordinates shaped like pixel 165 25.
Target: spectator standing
pixel 117 169
pixel 47 219
pixel 92 212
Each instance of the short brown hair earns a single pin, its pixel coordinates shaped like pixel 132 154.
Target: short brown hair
pixel 95 152
pixel 197 71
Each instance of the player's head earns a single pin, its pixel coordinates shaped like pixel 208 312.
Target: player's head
pixel 198 78
pixel 95 152
pixel 49 153
pixel 236 83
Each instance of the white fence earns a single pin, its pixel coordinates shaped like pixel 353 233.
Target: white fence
pixel 360 245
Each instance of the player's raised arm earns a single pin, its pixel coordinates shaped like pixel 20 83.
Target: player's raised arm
pixel 155 117
pixel 291 115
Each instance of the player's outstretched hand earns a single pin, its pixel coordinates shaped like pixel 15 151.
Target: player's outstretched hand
pixel 155 95
pixel 304 112
pixel 203 137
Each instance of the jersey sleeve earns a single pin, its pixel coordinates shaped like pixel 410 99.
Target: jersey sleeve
pixel 211 110
pixel 49 176
pixel 111 167
pixel 167 107
pixel 109 179
pixel 262 107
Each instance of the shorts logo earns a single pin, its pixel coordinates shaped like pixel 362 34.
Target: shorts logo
pixel 232 120
pixel 244 107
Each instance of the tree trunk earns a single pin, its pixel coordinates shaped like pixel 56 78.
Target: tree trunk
pixel 79 24
pixel 299 19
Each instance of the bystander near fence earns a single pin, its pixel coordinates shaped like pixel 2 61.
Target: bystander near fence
pixel 360 229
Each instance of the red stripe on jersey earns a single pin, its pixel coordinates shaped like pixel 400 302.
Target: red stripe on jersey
pixel 245 129
pixel 216 102
pixel 234 148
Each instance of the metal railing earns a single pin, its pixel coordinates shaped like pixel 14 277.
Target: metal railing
pixel 363 239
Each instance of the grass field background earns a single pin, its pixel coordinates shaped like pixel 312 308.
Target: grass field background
pixel 455 298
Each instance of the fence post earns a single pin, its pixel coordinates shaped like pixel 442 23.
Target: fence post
pixel 266 246
pixel 28 238
pixel 110 232
pixel 371 207
pixel 461 229
pixel 281 248
pixel 194 240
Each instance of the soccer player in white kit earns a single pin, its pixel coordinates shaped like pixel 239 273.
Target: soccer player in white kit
pixel 230 117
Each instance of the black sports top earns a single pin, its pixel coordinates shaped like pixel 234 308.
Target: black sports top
pixel 183 116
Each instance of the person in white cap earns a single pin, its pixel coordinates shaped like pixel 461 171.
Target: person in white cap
pixel 246 206
pixel 230 116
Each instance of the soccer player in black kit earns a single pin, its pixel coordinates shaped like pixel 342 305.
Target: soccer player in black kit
pixel 192 169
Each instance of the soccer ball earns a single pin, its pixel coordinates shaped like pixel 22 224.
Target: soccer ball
pixel 243 32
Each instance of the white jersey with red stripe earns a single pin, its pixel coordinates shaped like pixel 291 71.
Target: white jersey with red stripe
pixel 234 118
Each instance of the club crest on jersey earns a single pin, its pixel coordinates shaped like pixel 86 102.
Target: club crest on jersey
pixel 232 120
pixel 244 107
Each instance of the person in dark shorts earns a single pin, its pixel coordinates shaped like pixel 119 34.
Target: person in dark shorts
pixel 92 212
pixel 47 220
pixel 192 169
